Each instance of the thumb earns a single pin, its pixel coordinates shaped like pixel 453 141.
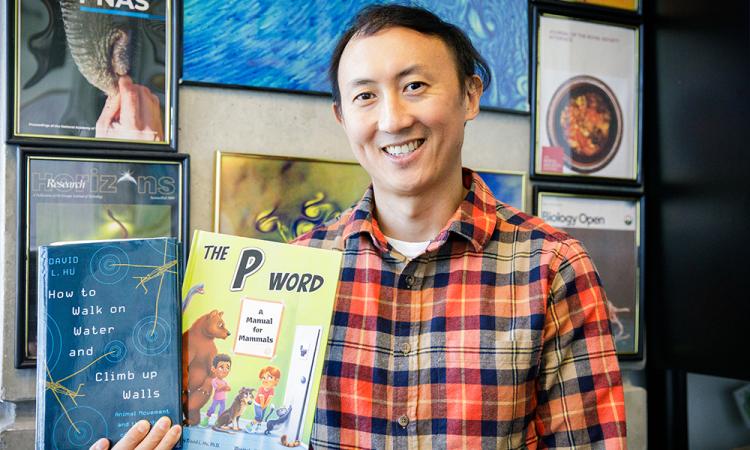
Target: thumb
pixel 101 444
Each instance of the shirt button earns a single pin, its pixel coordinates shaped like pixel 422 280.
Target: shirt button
pixel 405 348
pixel 409 281
pixel 403 421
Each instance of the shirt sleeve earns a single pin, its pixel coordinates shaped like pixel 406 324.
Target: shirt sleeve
pixel 580 400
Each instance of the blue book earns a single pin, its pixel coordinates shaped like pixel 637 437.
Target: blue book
pixel 109 339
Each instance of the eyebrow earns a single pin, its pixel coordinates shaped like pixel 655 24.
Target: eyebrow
pixel 407 71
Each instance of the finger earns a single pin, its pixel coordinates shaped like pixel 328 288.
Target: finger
pixel 133 437
pixel 101 444
pixel 155 106
pixel 110 111
pixel 149 106
pixel 171 438
pixel 158 431
pixel 129 103
pixel 151 116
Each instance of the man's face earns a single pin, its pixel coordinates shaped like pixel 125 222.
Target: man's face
pixel 403 109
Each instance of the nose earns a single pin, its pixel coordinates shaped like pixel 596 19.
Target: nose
pixel 395 114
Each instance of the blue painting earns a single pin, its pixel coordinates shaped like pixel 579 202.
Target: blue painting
pixel 508 187
pixel 287 45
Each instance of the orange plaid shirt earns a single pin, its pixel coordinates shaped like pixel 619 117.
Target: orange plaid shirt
pixel 497 336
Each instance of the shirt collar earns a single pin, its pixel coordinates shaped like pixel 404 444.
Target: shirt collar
pixel 474 220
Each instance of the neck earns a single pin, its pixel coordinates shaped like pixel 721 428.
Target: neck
pixel 419 217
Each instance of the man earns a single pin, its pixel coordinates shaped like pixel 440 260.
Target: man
pixel 460 322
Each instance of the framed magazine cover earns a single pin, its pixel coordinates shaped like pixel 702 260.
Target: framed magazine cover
pixel 507 186
pixel 610 226
pixel 279 198
pixel 586 98
pixel 87 74
pixel 80 195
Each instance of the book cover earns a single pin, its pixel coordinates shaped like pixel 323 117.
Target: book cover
pixel 109 347
pixel 255 320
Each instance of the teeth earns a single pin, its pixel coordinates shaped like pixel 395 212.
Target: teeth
pixel 398 150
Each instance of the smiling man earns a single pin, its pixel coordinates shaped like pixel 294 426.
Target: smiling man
pixel 460 322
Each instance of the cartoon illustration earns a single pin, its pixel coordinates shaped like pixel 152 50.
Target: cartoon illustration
pixel 157 272
pixel 59 389
pixel 220 368
pixel 269 379
pixel 282 415
pixel 231 418
pixel 197 289
pixel 287 443
pixel 198 354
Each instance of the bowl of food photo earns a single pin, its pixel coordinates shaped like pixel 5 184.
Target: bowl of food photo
pixel 585 120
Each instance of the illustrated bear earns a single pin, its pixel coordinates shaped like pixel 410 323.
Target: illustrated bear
pixel 198 351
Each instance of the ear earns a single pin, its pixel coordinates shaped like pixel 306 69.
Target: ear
pixel 474 90
pixel 337 113
pixel 221 313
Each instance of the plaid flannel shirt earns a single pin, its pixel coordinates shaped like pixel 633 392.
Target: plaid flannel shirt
pixel 496 337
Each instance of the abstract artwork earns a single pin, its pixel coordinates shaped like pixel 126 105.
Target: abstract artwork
pixel 278 199
pixel 508 187
pixel 286 45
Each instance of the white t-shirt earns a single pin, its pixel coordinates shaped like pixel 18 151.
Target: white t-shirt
pixel 409 249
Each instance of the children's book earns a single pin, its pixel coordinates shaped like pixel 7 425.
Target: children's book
pixel 109 347
pixel 255 320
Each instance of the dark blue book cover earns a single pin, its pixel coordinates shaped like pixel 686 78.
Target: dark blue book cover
pixel 109 347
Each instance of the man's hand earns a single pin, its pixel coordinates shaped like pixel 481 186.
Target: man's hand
pixel 161 437
pixel 133 113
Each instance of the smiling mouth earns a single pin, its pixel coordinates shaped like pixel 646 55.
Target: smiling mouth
pixel 403 149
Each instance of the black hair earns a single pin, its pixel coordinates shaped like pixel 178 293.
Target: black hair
pixel 375 18
pixel 221 357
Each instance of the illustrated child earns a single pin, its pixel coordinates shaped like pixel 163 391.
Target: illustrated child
pixel 269 379
pixel 221 366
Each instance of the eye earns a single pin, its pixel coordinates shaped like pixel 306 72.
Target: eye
pixel 414 86
pixel 364 97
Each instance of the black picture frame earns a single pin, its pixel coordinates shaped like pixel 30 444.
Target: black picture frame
pixel 603 256
pixel 63 189
pixel 594 8
pixel 50 50
pixel 594 16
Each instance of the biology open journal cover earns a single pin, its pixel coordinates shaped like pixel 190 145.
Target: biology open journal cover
pixel 256 316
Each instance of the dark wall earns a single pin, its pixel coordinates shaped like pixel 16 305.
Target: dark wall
pixel 697 165
pixel 697 175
